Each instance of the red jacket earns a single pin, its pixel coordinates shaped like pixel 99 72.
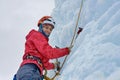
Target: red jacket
pixel 37 45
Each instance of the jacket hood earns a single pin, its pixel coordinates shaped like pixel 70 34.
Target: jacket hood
pixel 30 33
pixel 34 32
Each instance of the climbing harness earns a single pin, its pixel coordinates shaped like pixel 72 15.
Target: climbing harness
pixel 71 44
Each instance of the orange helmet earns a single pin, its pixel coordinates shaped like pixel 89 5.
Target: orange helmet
pixel 46 20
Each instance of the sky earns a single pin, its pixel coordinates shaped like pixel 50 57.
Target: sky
pixel 17 18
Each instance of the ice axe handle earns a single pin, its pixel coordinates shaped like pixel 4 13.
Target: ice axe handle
pixel 79 30
pixel 58 66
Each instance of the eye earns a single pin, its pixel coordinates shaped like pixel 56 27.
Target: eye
pixel 51 29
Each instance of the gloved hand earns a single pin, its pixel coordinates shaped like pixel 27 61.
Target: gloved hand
pixel 57 65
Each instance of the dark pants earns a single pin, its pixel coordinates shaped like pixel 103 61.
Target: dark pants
pixel 29 72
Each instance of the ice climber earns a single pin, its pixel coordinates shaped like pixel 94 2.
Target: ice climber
pixel 38 52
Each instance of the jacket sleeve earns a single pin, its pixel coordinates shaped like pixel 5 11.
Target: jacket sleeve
pixel 47 51
pixel 49 66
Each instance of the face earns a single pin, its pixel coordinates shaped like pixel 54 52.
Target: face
pixel 47 29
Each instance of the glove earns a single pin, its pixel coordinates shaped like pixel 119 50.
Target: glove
pixel 57 65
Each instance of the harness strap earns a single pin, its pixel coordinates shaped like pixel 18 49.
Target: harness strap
pixel 34 58
pixel 39 61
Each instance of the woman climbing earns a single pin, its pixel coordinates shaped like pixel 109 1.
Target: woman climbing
pixel 38 52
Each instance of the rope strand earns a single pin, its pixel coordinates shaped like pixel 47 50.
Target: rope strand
pixel 73 39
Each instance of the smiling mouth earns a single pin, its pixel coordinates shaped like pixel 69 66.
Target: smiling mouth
pixel 47 33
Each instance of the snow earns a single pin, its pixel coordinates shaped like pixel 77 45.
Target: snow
pixel 96 51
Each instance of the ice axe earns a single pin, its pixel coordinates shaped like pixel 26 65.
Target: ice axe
pixel 80 29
